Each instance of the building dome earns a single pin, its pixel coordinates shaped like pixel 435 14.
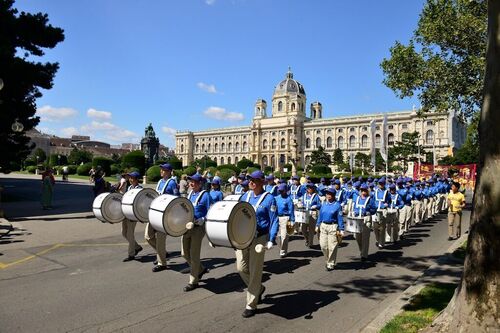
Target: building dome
pixel 289 85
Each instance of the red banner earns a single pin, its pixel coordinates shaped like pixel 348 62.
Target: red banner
pixel 464 174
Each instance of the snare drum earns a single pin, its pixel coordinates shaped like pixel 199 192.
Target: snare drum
pixel 107 207
pixel 136 202
pixel 354 224
pixel 231 224
pixel 301 216
pixel 169 214
pixel 233 197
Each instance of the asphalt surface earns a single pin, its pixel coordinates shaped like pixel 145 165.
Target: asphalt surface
pixel 63 272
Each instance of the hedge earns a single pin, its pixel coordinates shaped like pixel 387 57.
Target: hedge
pixel 244 163
pixel 31 168
pixel 72 169
pixel 153 173
pixel 321 169
pixel 84 169
pixel 225 174
pixel 229 166
pixel 116 169
pixel 190 170
pixel 134 160
pixel 104 163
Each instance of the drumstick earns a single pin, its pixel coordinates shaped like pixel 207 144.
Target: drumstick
pixel 259 248
pixel 189 225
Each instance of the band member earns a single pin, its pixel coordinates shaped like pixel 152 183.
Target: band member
pixel 311 203
pixel 340 195
pixel 417 203
pixel 321 187
pixel 239 188
pixel 216 193
pixel 128 227
pixel 191 240
pixel 249 263
pixel 456 202
pixel 157 239
pixel 271 186
pixel 382 201
pixel 364 207
pixel 392 215
pixel 296 190
pixel 330 226
pixel 285 215
pixel 244 186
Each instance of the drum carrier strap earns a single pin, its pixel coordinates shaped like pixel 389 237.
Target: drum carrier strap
pixel 362 206
pixel 258 202
pixel 310 201
pixel 164 186
pixel 377 199
pixel 197 199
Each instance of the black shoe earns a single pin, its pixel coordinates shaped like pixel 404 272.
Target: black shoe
pixel 155 262
pixel 138 250
pixel 248 313
pixel 190 287
pixel 450 238
pixel 262 291
pixel 159 268
pixel 364 258
pixel 203 272
pixel 129 258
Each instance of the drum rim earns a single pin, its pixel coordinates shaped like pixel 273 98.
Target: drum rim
pixel 107 196
pixel 134 209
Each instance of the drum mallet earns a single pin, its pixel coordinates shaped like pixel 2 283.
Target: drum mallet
pixel 189 225
pixel 259 248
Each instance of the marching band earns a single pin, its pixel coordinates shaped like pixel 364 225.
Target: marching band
pixel 387 206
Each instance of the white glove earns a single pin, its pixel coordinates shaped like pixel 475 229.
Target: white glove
pixel 199 221
pixel 269 245
pixel 300 205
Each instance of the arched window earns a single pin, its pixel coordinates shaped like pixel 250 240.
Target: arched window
pixel 264 144
pixel 264 160
pixel 197 148
pixel 182 148
pixel 244 146
pixel 340 142
pixel 293 106
pixel 273 162
pixel 236 160
pixel 216 148
pixel 377 140
pixel 364 141
pixel 280 106
pixel 329 142
pixel 229 146
pixel 229 160
pixel 283 143
pixel 203 148
pixel 237 146
pixel 429 137
pixel 222 160
pixel 273 144
pixel 308 143
pixel 390 139
pixel 209 148
pixel 318 143
pixel 222 147
pixel 352 141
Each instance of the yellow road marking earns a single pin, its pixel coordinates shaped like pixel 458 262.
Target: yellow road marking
pixel 56 246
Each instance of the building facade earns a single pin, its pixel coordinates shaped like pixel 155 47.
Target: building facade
pixel 289 135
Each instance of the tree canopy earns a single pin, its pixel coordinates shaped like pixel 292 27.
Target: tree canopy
pixel 320 157
pixel 24 38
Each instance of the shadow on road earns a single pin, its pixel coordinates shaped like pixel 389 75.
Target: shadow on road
pixel 297 303
pixel 284 265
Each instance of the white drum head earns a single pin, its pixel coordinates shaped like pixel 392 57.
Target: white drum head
pixel 107 207
pixel 136 203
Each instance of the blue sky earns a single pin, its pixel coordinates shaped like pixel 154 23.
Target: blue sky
pixel 198 64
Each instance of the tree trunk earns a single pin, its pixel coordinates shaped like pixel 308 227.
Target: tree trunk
pixel 475 305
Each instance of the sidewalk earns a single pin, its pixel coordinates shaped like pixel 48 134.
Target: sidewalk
pixel 447 269
pixel 5 227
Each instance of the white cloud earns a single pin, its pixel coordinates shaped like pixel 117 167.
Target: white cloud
pixel 46 130
pixel 168 130
pixel 93 113
pixel 111 133
pixel 69 131
pixel 50 114
pixel 210 88
pixel 219 113
pixel 210 2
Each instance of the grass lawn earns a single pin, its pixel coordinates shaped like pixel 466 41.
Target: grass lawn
pixel 422 310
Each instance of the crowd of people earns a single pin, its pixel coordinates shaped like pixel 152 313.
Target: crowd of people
pixel 386 206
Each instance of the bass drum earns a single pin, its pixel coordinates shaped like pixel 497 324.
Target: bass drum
pixel 233 197
pixel 231 224
pixel 169 214
pixel 136 202
pixel 107 207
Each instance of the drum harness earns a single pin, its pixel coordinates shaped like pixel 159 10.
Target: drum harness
pixel 308 202
pixel 196 202
pixel 395 200
pixel 362 206
pixel 131 188
pixel 264 194
pixel 378 200
pixel 164 186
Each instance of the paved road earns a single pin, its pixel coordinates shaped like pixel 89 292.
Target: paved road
pixel 63 273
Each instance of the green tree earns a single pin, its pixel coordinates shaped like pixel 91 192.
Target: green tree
pixel 379 161
pixel 244 163
pixel 134 160
pixel 24 37
pixel 338 157
pixel 79 156
pixel 407 149
pixel 362 161
pixel 320 157
pixel 41 155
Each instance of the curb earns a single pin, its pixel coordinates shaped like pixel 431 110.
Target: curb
pixel 396 307
pixel 5 227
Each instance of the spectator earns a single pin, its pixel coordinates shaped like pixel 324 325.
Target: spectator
pixel 123 184
pixel 48 183
pixel 99 184
pixel 183 186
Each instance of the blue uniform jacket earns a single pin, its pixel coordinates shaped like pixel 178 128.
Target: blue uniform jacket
pixel 266 214
pixel 364 205
pixel 238 189
pixel 396 201
pixel 285 206
pixel 297 191
pixel 341 196
pixel 163 188
pixel 331 212
pixel 273 189
pixel 382 198
pixel 201 209
pixel 216 195
pixel 310 201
